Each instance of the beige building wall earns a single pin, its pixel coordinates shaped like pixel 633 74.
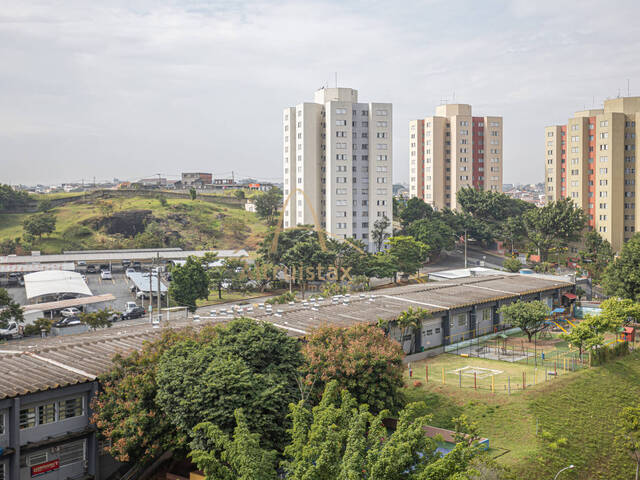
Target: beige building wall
pixel 343 164
pixel 455 150
pixel 600 148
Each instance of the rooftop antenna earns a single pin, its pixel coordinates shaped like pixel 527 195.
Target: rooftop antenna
pixel 454 97
pixel 618 92
pixel 336 79
pixel 628 91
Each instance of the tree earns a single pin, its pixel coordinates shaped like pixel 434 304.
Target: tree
pixel 44 205
pixel 125 409
pixel 9 310
pixel 247 364
pixel 95 320
pixel 407 253
pixel 382 265
pixel 628 433
pixel 597 254
pixel 163 200
pixel 361 359
pixel 306 255
pixel 40 224
pixel 416 209
pixel 241 457
pixel 512 265
pixel 189 282
pixel 584 336
pixel 11 199
pixel 622 276
pixel 493 207
pixel 339 439
pixel 617 312
pixel 409 322
pixel 530 317
pixel 380 232
pixel 268 203
pixel 433 232
pixel 239 194
pixel 554 225
pixel 193 193
pixel 513 230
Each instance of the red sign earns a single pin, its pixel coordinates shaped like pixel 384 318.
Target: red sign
pixel 254 185
pixel 45 467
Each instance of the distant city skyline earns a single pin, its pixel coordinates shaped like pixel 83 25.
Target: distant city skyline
pixel 129 90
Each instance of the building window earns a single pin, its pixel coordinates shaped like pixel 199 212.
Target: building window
pixel 71 407
pixel 27 417
pixel 46 413
pixel 72 453
pixel 382 113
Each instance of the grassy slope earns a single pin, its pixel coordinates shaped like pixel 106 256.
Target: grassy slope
pixel 581 407
pixel 196 211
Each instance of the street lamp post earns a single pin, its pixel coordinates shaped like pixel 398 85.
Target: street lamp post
pixel 565 468
pixel 465 248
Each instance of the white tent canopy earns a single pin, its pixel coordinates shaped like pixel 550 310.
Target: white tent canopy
pixel 54 282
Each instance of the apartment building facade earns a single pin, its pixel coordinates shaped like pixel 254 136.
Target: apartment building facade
pixel 452 150
pixel 337 164
pixel 591 160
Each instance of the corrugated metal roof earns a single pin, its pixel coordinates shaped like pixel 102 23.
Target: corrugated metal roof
pixel 36 267
pixel 31 365
pixel 118 256
pixel 73 302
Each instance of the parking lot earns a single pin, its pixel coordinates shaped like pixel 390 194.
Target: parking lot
pixel 119 285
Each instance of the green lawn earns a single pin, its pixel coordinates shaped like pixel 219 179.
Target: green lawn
pixel 580 407
pixel 229 297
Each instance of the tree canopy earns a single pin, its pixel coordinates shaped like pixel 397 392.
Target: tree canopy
pixel 189 282
pixel 9 309
pixel 268 203
pixel 554 225
pixel 622 276
pixel 11 199
pixel 596 255
pixel 40 224
pixel 247 365
pixel 407 253
pixel 529 316
pixel 361 359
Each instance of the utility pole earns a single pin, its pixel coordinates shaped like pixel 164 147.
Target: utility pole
pixel 158 277
pixel 465 248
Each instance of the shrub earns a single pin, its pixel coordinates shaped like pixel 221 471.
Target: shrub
pixel 417 384
pixel 284 298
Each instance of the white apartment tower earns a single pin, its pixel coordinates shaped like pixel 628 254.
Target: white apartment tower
pixel 337 161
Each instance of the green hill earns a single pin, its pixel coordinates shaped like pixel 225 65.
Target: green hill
pixel 101 223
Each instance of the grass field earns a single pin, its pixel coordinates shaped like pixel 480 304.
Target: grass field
pixel 230 297
pixel 205 226
pixel 578 408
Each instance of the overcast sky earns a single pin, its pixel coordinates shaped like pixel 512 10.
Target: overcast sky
pixel 133 88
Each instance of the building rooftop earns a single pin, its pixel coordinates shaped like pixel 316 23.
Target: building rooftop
pixel 35 364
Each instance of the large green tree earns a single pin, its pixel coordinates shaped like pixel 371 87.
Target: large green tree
pixel 434 232
pixel 11 199
pixel 232 457
pixel 268 203
pixel 491 206
pixel 596 255
pixel 9 309
pixel 528 316
pixel 248 365
pixel 189 282
pixel 380 232
pixel 415 209
pixel 40 224
pixel 361 359
pixel 622 276
pixel 554 226
pixel 125 410
pixel 407 253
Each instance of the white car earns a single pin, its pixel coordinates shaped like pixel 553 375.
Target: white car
pixel 70 312
pixel 105 275
pixel 129 271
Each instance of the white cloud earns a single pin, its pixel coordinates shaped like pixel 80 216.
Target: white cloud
pixel 122 89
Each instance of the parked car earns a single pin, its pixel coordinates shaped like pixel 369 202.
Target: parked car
pixel 84 277
pixel 81 263
pixel 126 263
pixel 92 269
pixel 104 266
pixel 68 322
pixel 115 317
pixel 136 312
pixel 137 266
pixel 13 330
pixel 70 312
pixel 130 306
pixel 106 275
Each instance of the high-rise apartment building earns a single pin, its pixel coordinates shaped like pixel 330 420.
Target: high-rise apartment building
pixel 452 150
pixel 592 160
pixel 337 162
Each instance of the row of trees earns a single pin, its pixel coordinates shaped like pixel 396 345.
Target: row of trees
pixel 246 401
pixel 11 199
pixel 488 216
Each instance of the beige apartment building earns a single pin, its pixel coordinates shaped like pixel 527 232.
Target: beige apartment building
pixel 452 150
pixel 591 160
pixel 337 161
